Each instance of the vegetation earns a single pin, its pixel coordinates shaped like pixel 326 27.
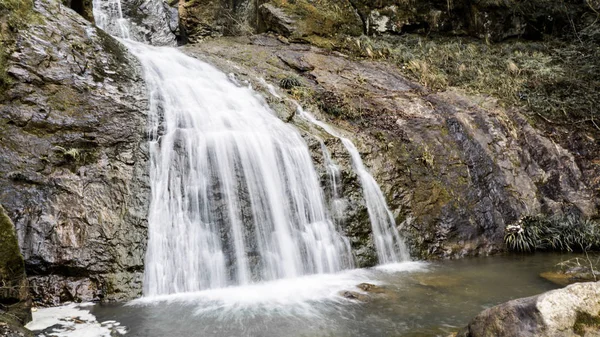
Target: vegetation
pixel 289 82
pixel 322 17
pixel 568 233
pixel 585 322
pixel 14 15
pixel 556 80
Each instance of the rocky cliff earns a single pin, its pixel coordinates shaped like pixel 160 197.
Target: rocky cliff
pixel 73 174
pixel 456 167
pixel 492 20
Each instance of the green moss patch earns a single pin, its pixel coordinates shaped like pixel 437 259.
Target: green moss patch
pixel 14 15
pixel 323 17
pixel 585 322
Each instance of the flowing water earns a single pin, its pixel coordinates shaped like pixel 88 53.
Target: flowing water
pixel 390 245
pixel 418 299
pixel 242 243
pixel 235 195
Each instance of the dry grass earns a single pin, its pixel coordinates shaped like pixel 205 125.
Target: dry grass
pixel 555 79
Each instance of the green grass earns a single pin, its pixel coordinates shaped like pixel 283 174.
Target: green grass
pixel 568 233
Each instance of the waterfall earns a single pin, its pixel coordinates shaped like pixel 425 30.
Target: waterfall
pixel 108 15
pixel 388 242
pixel 235 195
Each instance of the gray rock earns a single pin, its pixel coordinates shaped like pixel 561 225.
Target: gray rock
pixel 73 157
pixel 149 21
pixel 571 311
pixel 455 169
pixel 276 20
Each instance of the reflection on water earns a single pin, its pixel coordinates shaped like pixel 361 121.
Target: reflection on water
pixel 419 299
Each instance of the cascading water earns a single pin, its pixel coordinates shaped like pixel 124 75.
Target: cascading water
pixel 235 195
pixel 388 242
pixel 108 15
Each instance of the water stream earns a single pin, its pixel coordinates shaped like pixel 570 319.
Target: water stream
pixel 243 243
pixel 235 195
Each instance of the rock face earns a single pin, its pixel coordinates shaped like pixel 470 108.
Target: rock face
pixel 73 163
pixel 571 311
pixel 15 301
pixel 489 20
pixel 455 169
pixel 149 21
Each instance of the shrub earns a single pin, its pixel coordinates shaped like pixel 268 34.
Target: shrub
pixel 567 233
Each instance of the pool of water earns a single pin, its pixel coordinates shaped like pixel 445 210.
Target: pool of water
pixel 412 299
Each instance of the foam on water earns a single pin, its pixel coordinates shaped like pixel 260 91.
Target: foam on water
pixel 294 296
pixel 235 197
pixel 72 320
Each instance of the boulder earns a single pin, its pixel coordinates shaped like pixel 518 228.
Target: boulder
pixel 276 20
pixel 571 311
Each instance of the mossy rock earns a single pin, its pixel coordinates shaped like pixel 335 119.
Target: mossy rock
pixel 14 294
pixel 584 322
pixel 321 18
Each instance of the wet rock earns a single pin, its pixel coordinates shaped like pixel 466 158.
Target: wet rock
pixel 353 295
pixel 371 288
pixel 73 157
pixel 15 302
pixel 154 22
pixel 455 169
pixel 571 311
pixel 11 328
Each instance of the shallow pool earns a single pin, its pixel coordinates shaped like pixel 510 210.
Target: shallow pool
pixel 411 299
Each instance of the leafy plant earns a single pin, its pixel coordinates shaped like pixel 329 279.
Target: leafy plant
pixel 289 82
pixel 567 233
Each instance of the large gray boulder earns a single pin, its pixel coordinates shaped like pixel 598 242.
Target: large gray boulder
pixel 571 311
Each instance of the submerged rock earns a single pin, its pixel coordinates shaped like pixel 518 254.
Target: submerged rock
pixel 573 271
pixel 571 311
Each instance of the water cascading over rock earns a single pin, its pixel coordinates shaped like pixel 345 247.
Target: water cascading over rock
pixel 235 195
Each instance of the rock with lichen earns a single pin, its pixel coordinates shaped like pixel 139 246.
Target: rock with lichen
pixel 73 162
pixel 15 301
pixel 571 311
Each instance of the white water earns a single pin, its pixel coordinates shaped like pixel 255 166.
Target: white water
pixel 235 196
pixel 108 15
pixel 72 320
pixel 388 242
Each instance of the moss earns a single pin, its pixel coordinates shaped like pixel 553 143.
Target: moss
pixel 11 262
pixel 584 322
pixel 322 18
pixel 14 16
pixel 14 294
